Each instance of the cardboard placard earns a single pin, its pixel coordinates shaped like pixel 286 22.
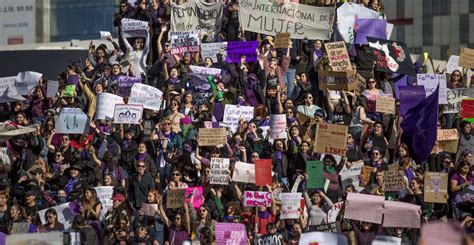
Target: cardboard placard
pixel 175 198
pixel 182 42
pixel 219 171
pixel 212 136
pixel 257 198
pixel 338 56
pixel 331 138
pixel 466 58
pixel 365 175
pixel 20 227
pixel 385 104
pixel 448 139
pixel 128 113
pixel 282 40
pixel 333 80
pixel 393 181
pixel 435 187
pixel 263 172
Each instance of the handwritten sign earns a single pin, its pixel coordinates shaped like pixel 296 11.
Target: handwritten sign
pixel 244 172
pixel 393 180
pixel 106 105
pixel 211 50
pixel 257 198
pixel 338 56
pixel 365 175
pixel 385 104
pixel 453 64
pixel 231 233
pixel 334 211
pixel 52 88
pixel 290 203
pixel 148 96
pixel 282 40
pixel 20 227
pixel 237 49
pixel 454 98
pixel 104 194
pixel 364 207
pixel 134 28
pixel 350 176
pixel 198 199
pixel 197 15
pixel 401 214
pixel 431 82
pixel 182 42
pixel 436 187
pixel 149 209
pixel 175 198
pixel 219 171
pixel 278 126
pixel 124 85
pixel 212 136
pixel 233 113
pixel 466 58
pixel 448 139
pixel 71 121
pixel 331 138
pixel 128 114
pixel 263 172
pixel 199 70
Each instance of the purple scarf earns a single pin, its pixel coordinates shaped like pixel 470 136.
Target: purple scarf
pixel 410 174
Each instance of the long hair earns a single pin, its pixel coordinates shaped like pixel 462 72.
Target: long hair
pixel 207 222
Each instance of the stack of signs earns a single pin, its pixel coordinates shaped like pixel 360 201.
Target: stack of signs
pixel 219 171
pixel 134 28
pixel 211 50
pixel 338 56
pixel 72 121
pixel 391 56
pixel 182 42
pixel 128 114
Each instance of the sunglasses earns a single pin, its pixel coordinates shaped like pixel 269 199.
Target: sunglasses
pixel 202 210
pixel 289 112
pixel 371 82
pixel 375 153
pixel 176 174
pixel 254 156
pixel 141 166
pixel 65 139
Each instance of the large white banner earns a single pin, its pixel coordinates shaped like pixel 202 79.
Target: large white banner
pixel 17 21
pixel 8 91
pixel 148 96
pixel 197 15
pixel 299 20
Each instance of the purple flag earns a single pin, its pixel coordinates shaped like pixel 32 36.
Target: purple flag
pixel 124 85
pixel 420 125
pixel 236 49
pixel 72 80
pixel 369 28
pixel 410 96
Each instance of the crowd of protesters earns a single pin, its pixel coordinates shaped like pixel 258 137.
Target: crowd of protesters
pixel 143 162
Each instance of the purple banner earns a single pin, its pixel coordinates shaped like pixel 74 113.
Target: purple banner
pixel 410 96
pixel 72 80
pixel 231 233
pixel 124 85
pixel 235 50
pixel 369 27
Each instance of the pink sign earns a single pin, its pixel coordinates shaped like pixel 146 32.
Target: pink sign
pixel 198 200
pixel 257 198
pixel 401 214
pixel 364 207
pixel 230 233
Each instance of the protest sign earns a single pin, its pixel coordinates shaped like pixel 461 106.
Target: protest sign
pixel 467 108
pixel 104 35
pixel 231 233
pixel 104 194
pixel 26 81
pixel 196 192
pixel 212 49
pixel 128 114
pixel 106 105
pixel 20 227
pixel 328 227
pixel 435 187
pixel 205 71
pixel 278 126
pixel 233 114
pixel 453 64
pixel 338 56
pixel 52 88
pixel 282 40
pixel 448 139
pixel 369 28
pixel 219 171
pixel 454 98
pixel 72 121
pixel 364 207
pixel 65 214
pixel 263 172
pixel 387 240
pixel 385 104
pixel 334 211
pixel 182 42
pixel 333 80
pixel 38 238
pixel 315 170
pixel 466 58
pixel 134 28
pixel 365 175
pixel 124 85
pixel 257 198
pixel 202 97
pixel 8 91
pixel 212 136
pixel 197 15
pixel 290 203
pixel 320 238
pixel 393 181
pixel 244 172
pixel 237 49
pixel 350 176
pixel 347 15
pixel 270 239
pixel 401 214
pixel 69 90
pixel 175 198
pixel 149 209
pixel 331 138
pixel 396 55
pixel 431 82
pixel 299 20
pixel 148 96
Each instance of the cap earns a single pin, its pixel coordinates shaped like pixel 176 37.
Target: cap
pixel 76 166
pixel 118 197
pixel 269 39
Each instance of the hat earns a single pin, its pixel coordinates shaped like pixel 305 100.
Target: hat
pixel 319 113
pixel 76 166
pixel 118 197
pixel 269 39
pixel 376 148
